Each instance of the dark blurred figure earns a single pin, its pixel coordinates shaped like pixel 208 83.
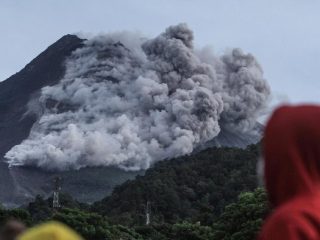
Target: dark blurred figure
pixel 11 230
pixel 292 173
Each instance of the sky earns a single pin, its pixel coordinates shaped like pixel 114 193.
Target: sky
pixel 282 34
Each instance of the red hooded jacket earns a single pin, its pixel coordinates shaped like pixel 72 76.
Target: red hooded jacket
pixel 292 173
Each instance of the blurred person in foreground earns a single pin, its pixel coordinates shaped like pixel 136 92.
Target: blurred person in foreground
pixel 11 230
pixel 292 173
pixel 50 231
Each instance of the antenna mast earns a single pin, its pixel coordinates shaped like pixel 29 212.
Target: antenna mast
pixel 148 213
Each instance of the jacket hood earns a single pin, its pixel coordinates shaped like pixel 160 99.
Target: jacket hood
pixel 292 153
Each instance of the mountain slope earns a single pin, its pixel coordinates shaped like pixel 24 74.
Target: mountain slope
pixel 16 91
pixel 21 184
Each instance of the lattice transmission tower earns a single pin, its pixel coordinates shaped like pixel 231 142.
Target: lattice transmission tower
pixel 57 187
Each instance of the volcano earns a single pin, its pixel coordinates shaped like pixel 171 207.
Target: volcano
pixel 22 182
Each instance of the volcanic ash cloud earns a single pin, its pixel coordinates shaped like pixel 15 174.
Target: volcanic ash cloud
pixel 128 101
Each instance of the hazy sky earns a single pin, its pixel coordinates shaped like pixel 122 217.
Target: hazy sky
pixel 284 35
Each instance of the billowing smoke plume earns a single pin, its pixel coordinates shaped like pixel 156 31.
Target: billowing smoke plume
pixel 128 101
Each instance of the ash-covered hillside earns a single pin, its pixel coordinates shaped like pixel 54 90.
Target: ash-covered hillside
pixel 121 101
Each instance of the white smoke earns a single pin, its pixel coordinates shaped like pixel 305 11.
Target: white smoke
pixel 128 101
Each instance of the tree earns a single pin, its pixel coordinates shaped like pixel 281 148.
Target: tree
pixel 242 220
pixel 40 209
pixel 92 226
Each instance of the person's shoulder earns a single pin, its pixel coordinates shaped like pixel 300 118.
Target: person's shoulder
pixel 277 224
pixel 293 211
pixel 284 215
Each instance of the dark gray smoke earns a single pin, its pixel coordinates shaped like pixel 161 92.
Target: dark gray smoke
pixel 128 101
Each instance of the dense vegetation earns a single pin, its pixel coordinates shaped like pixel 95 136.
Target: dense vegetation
pixel 209 195
pixel 239 220
pixel 190 188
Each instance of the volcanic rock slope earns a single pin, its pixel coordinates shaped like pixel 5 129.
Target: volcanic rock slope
pixel 20 184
